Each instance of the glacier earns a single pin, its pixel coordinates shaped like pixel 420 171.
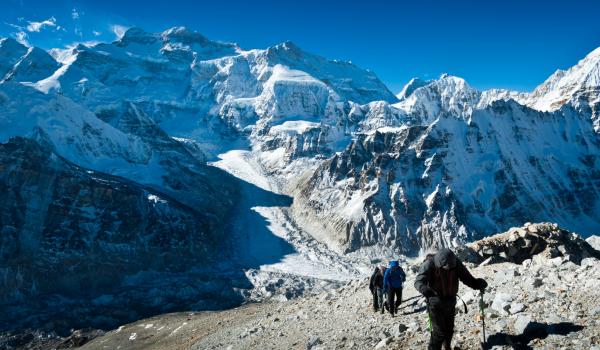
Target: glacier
pixel 281 170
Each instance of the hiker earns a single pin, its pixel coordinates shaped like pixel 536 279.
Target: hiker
pixel 438 280
pixel 376 287
pixel 393 279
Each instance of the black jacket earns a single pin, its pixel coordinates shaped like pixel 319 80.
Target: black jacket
pixel 439 276
pixel 376 279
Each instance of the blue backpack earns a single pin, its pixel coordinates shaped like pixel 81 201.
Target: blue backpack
pixel 394 276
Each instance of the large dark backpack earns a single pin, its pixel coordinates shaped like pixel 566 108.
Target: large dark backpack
pixel 397 276
pixel 446 281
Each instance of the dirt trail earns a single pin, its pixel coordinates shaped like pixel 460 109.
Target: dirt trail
pixel 560 302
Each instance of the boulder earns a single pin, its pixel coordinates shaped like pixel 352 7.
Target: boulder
pixel 524 324
pixel 516 308
pixel 521 323
pixel 398 331
pixel 313 342
pixel 502 303
pixel 384 342
pixel 594 241
pixel 536 241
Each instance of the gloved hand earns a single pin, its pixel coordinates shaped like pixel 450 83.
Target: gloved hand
pixel 428 292
pixel 482 283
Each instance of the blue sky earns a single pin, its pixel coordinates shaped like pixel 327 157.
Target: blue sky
pixel 509 44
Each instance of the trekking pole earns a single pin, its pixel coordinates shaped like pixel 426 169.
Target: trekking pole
pixel 429 326
pixel 482 310
pixel 429 323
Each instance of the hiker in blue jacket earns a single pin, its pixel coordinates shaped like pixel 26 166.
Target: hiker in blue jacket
pixel 392 282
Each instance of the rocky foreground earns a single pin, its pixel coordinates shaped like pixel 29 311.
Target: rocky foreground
pixel 548 300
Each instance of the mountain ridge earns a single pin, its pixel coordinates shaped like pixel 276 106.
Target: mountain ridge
pixel 309 169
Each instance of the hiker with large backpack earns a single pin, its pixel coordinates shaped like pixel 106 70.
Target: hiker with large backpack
pixel 376 287
pixel 393 280
pixel 438 280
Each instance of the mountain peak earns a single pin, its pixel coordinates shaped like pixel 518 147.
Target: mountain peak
pixel 176 30
pixel 191 38
pixel 565 85
pixel 411 86
pixel 453 78
pixel 287 48
pixel 9 46
pixel 136 35
pixel 184 36
pixel 595 54
pixel 290 45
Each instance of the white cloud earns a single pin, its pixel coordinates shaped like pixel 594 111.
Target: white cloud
pixel 37 26
pixel 21 37
pixel 96 33
pixel 119 30
pixel 91 43
pixel 20 34
pixel 75 14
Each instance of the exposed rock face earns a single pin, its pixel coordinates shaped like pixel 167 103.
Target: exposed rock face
pixel 520 244
pixel 72 240
pixel 474 162
pixel 416 187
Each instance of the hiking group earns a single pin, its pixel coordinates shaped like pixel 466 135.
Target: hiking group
pixel 387 282
pixel 437 280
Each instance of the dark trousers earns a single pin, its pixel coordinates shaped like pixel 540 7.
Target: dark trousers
pixel 441 311
pixel 394 293
pixel 378 298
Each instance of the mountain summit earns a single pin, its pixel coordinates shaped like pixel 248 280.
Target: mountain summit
pixel 169 156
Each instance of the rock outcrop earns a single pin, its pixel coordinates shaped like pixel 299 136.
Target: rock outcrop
pixel 525 243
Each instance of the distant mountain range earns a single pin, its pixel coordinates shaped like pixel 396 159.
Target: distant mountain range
pixel 105 155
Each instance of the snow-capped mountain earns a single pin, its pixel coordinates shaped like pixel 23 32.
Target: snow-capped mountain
pixel 578 82
pixel 411 86
pixel 448 94
pixel 10 53
pixel 418 187
pixel 201 131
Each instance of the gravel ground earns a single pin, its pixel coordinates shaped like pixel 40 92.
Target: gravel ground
pixel 555 301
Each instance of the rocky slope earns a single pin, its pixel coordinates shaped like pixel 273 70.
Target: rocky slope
pixel 543 302
pixel 80 248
